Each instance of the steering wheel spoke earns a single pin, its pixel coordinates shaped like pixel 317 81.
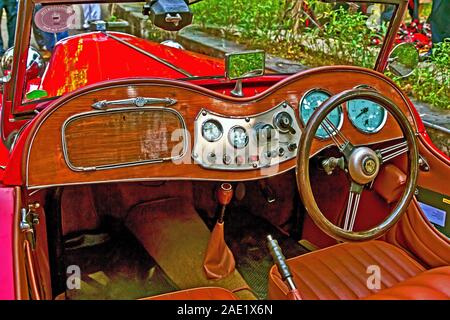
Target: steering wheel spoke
pixel 352 205
pixel 393 151
pixel 339 139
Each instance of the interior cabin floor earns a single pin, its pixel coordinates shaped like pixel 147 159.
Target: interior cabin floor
pixel 121 268
pixel 246 235
pixel 116 268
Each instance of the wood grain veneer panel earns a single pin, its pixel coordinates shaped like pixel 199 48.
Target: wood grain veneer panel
pixel 122 137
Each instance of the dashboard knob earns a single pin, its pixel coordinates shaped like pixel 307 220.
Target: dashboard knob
pixel 211 157
pixel 227 159
pixel 283 122
pixel 292 147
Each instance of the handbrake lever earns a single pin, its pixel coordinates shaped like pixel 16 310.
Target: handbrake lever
pixel 283 268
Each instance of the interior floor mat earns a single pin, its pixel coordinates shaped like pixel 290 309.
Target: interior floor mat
pixel 246 235
pixel 177 238
pixel 117 269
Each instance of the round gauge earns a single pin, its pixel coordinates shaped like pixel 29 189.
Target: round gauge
pixel 367 116
pixel 212 130
pixel 264 132
pixel 238 137
pixel 310 102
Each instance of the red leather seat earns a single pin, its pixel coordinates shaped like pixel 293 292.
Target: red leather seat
pixel 433 284
pixel 343 271
pixel 206 293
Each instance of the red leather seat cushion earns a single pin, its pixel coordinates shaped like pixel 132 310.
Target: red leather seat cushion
pixel 207 293
pixel 433 284
pixel 340 272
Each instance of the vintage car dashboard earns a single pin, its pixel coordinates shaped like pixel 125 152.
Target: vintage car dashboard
pixel 137 130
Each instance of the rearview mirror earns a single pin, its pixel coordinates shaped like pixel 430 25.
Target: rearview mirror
pixel 242 65
pixel 403 59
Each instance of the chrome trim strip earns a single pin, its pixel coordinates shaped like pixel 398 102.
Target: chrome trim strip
pixel 148 54
pixel 138 102
pixel 128 164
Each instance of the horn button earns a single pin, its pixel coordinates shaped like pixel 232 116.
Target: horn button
pixel 363 165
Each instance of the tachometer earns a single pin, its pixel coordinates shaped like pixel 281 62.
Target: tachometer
pixel 310 102
pixel 238 137
pixel 212 130
pixel 366 116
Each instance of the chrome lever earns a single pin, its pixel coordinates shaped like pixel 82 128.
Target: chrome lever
pixel 137 102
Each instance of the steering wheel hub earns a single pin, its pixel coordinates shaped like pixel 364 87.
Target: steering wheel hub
pixel 363 165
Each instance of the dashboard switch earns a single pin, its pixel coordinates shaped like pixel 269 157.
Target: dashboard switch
pixel 240 160
pixel 292 147
pixel 211 157
pixel 227 159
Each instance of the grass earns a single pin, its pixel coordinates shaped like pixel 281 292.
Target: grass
pixel 430 82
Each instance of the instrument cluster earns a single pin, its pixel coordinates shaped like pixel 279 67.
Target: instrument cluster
pixel 366 116
pixel 244 143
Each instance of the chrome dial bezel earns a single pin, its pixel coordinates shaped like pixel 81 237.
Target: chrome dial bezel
pixel 219 126
pixel 383 122
pixel 341 118
pixel 230 138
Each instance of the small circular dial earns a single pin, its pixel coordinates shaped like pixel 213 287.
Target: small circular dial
pixel 212 130
pixel 265 132
pixel 310 102
pixel 366 116
pixel 238 137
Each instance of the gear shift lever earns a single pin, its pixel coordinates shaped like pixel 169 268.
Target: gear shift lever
pixel 283 268
pixel 224 196
pixel 219 260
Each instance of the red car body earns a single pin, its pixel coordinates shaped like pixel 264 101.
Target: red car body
pixel 79 62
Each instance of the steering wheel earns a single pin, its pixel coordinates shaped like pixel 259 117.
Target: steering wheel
pixel 361 163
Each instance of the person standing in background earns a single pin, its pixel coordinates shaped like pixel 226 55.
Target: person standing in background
pixel 10 6
pixel 92 12
pixel 440 20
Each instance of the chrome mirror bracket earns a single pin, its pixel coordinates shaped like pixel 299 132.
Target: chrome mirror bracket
pixel 237 91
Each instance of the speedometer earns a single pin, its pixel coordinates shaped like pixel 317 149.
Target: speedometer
pixel 367 116
pixel 310 102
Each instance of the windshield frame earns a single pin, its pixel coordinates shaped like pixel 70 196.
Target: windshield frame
pixel 14 88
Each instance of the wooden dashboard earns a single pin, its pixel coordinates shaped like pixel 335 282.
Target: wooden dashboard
pixel 60 148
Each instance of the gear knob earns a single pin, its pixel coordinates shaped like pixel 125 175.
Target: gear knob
pixel 225 194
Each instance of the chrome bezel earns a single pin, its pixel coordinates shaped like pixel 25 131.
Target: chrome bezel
pixel 218 124
pixel 247 138
pixel 274 121
pixel 341 120
pixel 88 114
pixel 383 122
